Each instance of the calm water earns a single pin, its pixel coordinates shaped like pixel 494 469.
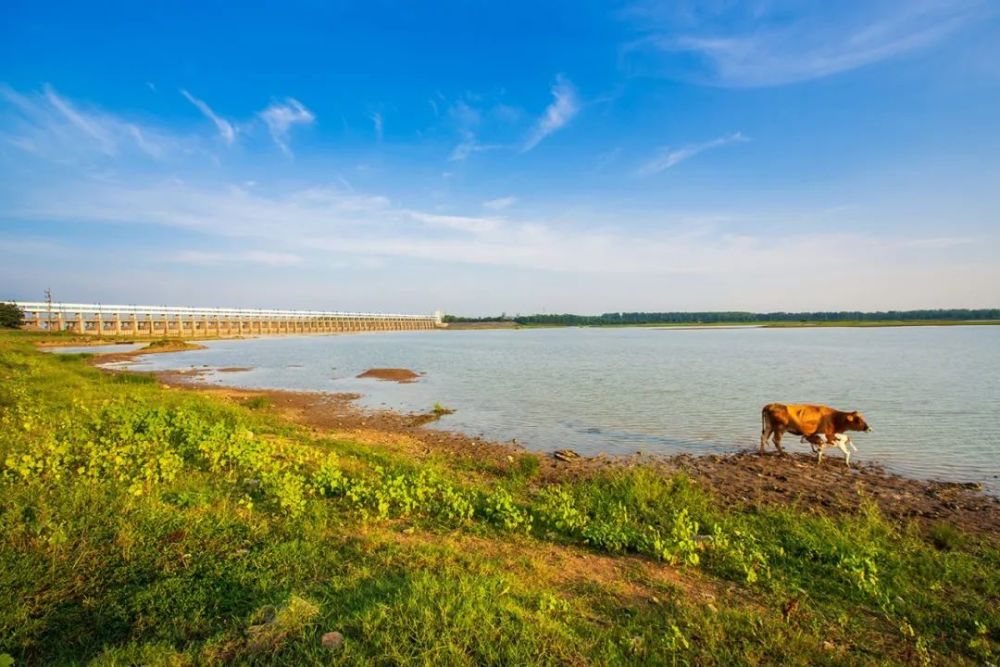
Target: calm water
pixel 931 394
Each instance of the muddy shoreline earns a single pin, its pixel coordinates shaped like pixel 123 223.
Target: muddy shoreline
pixel 746 478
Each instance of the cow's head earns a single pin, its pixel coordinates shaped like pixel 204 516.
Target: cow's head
pixel 856 422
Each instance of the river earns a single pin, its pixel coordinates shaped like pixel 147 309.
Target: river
pixel 932 394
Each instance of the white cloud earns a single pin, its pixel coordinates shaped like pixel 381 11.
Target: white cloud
pixel 280 118
pixel 325 227
pixel 465 115
pixel 51 126
pixel 457 222
pixel 470 146
pixel 782 42
pixel 565 105
pixel 500 203
pixel 668 157
pixel 226 129
pixel 940 242
pixel 377 124
pixel 90 126
pixel 323 219
pixel 262 257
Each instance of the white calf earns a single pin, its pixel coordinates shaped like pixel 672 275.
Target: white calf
pixel 841 441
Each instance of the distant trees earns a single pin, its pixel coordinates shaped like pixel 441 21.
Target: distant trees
pixel 742 317
pixel 11 317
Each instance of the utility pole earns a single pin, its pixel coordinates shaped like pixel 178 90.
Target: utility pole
pixel 48 301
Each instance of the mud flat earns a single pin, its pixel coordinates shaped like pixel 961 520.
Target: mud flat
pixel 401 375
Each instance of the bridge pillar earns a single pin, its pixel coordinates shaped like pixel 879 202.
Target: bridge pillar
pixel 79 325
pixel 99 323
pixel 116 324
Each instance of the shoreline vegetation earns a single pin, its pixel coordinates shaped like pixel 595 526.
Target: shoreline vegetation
pixel 148 520
pixel 722 319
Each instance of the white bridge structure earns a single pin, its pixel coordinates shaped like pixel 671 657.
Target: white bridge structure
pixel 180 322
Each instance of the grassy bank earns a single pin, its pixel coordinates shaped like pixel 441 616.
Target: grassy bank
pixel 146 525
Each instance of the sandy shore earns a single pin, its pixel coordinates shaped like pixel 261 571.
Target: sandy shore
pixel 745 478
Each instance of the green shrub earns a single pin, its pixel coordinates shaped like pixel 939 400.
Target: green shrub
pixel 258 402
pixel 11 317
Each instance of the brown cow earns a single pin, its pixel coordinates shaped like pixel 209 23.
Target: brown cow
pixel 809 421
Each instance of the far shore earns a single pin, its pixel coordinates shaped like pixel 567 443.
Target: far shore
pixel 850 324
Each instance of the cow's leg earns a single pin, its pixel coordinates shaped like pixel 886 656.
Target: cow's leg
pixel 765 431
pixel 817 445
pixel 777 439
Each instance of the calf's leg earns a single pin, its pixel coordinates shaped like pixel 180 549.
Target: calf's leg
pixel 843 442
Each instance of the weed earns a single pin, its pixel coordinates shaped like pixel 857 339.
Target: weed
pixel 258 402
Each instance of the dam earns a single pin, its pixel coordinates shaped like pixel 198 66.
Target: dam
pixel 187 322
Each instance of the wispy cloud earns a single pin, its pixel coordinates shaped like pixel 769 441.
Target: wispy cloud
pixel 610 265
pixel 458 222
pixel 500 203
pixel 470 146
pixel 261 257
pixel 280 118
pixel 50 125
pixel 89 126
pixel 467 119
pixel 565 105
pixel 782 42
pixel 377 125
pixel 669 157
pixel 226 129
pixel 940 242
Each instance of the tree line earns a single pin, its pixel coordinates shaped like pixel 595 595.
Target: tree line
pixel 740 317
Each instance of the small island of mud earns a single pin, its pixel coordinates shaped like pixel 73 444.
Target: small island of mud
pixel 401 375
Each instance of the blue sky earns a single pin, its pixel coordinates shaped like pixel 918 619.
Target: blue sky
pixel 519 157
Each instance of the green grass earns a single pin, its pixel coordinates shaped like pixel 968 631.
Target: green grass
pixel 257 402
pixel 150 526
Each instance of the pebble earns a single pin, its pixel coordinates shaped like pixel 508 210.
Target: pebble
pixel 332 640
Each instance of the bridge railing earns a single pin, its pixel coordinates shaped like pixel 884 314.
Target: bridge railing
pixel 178 321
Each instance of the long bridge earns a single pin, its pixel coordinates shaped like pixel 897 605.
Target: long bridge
pixel 180 322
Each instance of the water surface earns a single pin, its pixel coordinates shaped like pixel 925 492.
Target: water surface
pixel 932 394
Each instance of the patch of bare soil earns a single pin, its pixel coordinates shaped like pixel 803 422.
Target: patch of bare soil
pixel 401 375
pixel 749 478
